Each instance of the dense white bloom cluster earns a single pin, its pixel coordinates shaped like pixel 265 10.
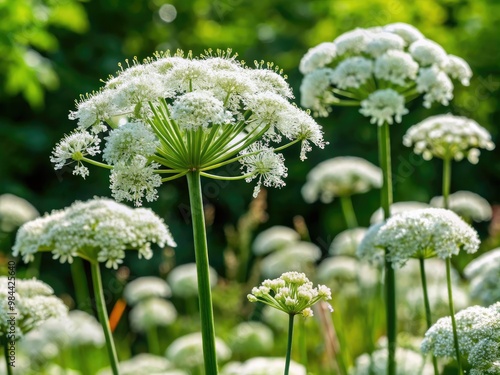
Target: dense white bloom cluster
pixel 397 208
pixel 347 242
pixel 146 287
pixel 262 366
pixel 15 211
pixel 448 137
pixel 187 351
pixel 420 233
pixel 292 293
pixel 152 312
pixel 183 280
pixel 178 114
pixel 145 364
pixel 299 256
pixel 251 338
pixel 380 69
pixel 273 239
pixel 34 304
pixel 339 177
pixel 478 331
pixel 97 230
pixel 470 206
pixel 483 274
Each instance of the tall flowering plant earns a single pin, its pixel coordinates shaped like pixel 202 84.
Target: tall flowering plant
pixel 175 115
pixel 380 69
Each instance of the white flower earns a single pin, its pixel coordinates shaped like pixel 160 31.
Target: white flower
pixel 458 68
pixel 395 209
pixel 74 147
pixel 347 241
pixel 274 238
pixel 470 206
pixel 264 164
pixel 146 287
pixel 436 85
pixel 152 312
pixel 297 256
pixel 352 72
pixel 128 140
pixel 483 273
pixel 15 211
pixel 135 181
pixel 99 230
pixel 383 42
pixel 395 66
pixel 341 176
pixel 405 31
pixel 317 57
pixel 384 106
pixel 183 280
pixel 448 136
pixel 426 53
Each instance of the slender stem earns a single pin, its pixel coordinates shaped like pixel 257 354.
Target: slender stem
pixel 390 280
pixel 7 359
pixel 80 284
pixel 289 344
pixel 153 342
pixel 202 268
pixel 348 211
pixel 103 315
pixel 428 316
pixel 452 313
pixel 446 181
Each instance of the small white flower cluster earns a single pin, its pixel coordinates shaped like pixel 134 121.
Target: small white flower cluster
pixel 99 230
pixel 478 331
pixel 470 206
pixel 483 274
pixel 34 304
pixel 340 177
pixel 291 293
pixel 419 234
pixel 274 238
pixel 15 211
pixel 263 366
pixel 146 287
pixel 448 137
pixel 380 69
pixel 145 364
pixel 183 280
pixel 179 114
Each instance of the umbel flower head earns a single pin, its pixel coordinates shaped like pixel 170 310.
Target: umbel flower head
pixel 379 69
pixel 340 177
pixel 448 137
pixel 478 337
pixel 419 234
pixel 291 293
pixel 99 230
pixel 173 114
pixel 470 206
pixel 34 304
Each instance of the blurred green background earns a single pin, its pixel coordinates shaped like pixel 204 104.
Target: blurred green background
pixel 54 50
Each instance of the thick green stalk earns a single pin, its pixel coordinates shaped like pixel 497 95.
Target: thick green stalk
pixel 102 313
pixel 7 359
pixel 202 268
pixel 80 284
pixel 428 316
pixel 348 211
pixel 289 344
pixel 446 196
pixel 384 148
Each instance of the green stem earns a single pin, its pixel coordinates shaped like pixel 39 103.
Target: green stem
pixel 348 211
pixel 202 268
pixel 7 359
pixel 80 284
pixel 289 344
pixel 102 313
pixel 153 343
pixel 428 316
pixel 446 181
pixel 390 280
pixel 452 313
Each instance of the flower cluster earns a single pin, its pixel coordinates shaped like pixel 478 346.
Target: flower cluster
pixel 470 206
pixel 292 293
pixel 483 274
pixel 379 69
pixel 173 114
pixel 448 137
pixel 35 303
pixel 419 234
pixel 339 177
pixel 15 211
pixel 99 230
pixel 478 337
